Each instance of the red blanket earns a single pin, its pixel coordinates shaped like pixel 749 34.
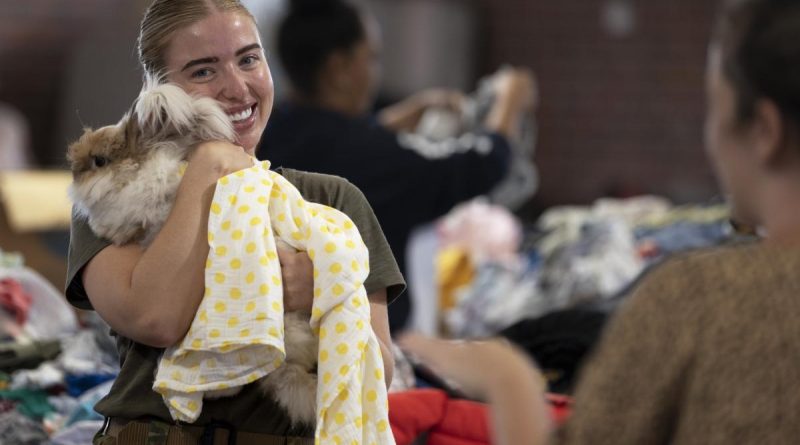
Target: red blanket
pixel 449 421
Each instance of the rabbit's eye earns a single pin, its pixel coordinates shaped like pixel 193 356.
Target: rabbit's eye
pixel 99 161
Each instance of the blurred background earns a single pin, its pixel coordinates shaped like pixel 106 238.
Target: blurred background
pixel 621 81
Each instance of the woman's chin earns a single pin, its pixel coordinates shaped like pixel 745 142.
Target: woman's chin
pixel 248 143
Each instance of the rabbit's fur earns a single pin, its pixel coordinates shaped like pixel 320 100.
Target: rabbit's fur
pixel 125 178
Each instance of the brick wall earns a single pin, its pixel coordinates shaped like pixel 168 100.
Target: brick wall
pixel 36 37
pixel 619 114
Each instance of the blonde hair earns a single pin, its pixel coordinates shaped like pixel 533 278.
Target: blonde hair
pixel 164 17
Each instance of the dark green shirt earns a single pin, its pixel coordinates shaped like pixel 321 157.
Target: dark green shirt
pixel 132 396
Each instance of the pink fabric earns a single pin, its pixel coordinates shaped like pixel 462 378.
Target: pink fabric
pixel 486 231
pixel 15 300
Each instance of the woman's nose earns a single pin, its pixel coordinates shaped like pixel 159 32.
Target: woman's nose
pixel 233 85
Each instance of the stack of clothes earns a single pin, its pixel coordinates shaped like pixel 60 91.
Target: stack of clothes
pixel 53 368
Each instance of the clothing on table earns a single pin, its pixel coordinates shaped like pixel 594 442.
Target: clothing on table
pixel 442 420
pixel 17 429
pixel 703 352
pixel 405 188
pixel 132 396
pixel 14 299
pixel 558 343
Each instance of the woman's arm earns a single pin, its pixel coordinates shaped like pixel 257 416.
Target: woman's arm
pixel 379 318
pixel 516 92
pixel 404 115
pixel 151 295
pixel 497 373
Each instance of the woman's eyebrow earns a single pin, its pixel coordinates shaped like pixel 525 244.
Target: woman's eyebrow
pixel 201 61
pixel 248 48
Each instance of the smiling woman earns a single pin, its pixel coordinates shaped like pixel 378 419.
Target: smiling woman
pixel 149 296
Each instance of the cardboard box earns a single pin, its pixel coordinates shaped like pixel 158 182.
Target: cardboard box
pixel 34 220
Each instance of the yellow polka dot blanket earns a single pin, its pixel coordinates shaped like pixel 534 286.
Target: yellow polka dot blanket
pixel 237 334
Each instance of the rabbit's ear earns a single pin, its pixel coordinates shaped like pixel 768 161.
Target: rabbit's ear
pixel 165 109
pixel 132 130
pixel 149 111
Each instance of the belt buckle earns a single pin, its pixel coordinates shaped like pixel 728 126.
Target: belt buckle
pixel 106 423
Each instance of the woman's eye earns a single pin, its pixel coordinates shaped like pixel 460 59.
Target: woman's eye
pixel 203 72
pixel 99 161
pixel 249 60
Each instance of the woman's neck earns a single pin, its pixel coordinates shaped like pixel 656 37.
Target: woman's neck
pixel 780 212
pixel 327 101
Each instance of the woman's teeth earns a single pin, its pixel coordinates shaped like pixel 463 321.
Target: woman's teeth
pixel 241 115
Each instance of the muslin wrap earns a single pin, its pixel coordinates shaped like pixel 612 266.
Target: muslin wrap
pixel 237 334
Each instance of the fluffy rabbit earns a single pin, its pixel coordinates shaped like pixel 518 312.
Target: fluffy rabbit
pixel 125 177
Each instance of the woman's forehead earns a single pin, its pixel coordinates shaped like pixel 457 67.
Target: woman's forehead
pixel 218 35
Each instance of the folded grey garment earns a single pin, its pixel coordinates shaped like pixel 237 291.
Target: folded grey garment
pixel 522 179
pixel 442 132
pixel 403 378
pixel 17 429
pixel 18 355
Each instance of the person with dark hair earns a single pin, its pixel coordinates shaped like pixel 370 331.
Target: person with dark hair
pixel 329 50
pixel 706 350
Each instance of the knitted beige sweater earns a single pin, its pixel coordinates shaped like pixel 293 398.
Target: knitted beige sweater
pixel 706 351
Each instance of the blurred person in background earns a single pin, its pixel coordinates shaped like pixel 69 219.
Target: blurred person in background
pixel 13 139
pixel 330 51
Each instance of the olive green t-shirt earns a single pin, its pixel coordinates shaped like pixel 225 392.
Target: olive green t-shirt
pixel 132 396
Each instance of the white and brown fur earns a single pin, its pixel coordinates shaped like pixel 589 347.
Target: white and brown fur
pixel 125 178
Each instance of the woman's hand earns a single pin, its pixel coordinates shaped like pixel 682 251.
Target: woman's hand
pixel 404 115
pixel 496 372
pixel 218 159
pixel 519 85
pixel 515 93
pixel 477 367
pixel 297 274
pixel 439 98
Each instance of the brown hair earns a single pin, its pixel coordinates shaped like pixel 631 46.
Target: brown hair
pixel 164 17
pixel 760 46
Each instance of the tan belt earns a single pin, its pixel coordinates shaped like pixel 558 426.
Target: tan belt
pixel 136 432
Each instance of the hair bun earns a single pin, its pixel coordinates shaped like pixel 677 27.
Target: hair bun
pixel 313 7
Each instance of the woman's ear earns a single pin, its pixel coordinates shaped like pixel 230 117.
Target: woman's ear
pixel 336 71
pixel 769 133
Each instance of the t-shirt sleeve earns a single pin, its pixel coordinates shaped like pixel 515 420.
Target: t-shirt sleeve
pixel 630 390
pixel 455 169
pixel 383 269
pixel 83 246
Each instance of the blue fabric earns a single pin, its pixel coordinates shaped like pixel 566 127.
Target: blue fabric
pixel 78 384
pixel 683 235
